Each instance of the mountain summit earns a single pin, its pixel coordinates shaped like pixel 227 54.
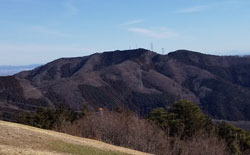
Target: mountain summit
pixel 139 79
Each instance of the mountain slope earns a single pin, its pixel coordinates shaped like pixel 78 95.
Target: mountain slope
pixel 137 79
pixel 21 139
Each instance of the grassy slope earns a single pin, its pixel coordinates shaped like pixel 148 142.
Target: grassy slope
pixel 22 139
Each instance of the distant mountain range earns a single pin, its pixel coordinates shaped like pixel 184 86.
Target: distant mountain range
pixel 140 80
pixel 11 70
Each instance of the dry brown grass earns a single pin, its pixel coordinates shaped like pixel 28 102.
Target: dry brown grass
pixel 10 150
pixel 22 139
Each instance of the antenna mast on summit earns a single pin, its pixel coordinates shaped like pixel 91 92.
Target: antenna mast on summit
pixel 152 47
pixel 163 51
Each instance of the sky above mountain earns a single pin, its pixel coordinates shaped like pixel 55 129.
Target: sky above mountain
pixel 38 31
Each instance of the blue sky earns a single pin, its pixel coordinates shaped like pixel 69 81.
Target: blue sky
pixel 38 31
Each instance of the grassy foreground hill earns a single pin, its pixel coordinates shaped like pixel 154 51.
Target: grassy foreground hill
pixel 22 139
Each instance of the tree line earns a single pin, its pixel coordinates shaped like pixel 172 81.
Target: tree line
pixel 181 128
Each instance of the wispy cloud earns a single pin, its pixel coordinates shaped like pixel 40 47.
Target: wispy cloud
pixel 132 22
pixel 16 0
pixel 159 33
pixel 70 7
pixel 31 48
pixel 193 9
pixel 48 31
pixel 38 53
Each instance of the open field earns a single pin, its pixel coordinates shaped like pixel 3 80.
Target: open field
pixel 22 139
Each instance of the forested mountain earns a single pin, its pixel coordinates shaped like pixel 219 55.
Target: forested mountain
pixel 139 79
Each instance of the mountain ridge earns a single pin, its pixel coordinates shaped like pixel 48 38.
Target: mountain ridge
pixel 139 79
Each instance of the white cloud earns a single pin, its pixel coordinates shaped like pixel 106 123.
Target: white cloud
pixel 160 33
pixel 132 22
pixel 193 9
pixel 23 54
pixel 17 0
pixel 48 31
pixel 70 7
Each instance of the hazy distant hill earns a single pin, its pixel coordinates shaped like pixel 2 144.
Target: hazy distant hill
pixel 137 79
pixel 11 70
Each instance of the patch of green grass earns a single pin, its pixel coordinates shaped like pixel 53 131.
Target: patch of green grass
pixel 63 147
